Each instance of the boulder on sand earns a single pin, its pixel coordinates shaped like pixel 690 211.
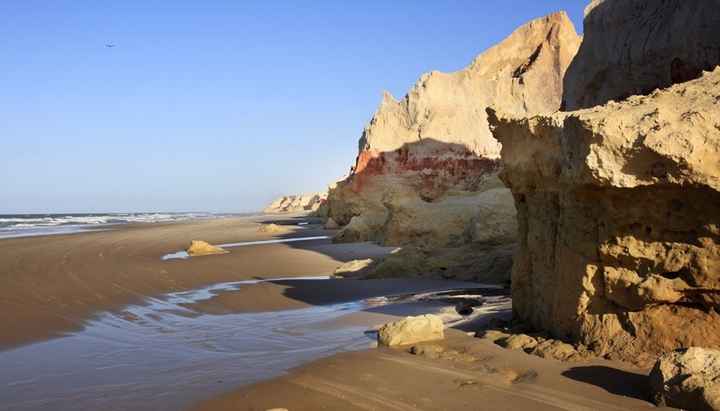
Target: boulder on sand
pixel 519 342
pixel 272 229
pixel 687 379
pixel 557 350
pixel 353 267
pixel 199 248
pixel 411 330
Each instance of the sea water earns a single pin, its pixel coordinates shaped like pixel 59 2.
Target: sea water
pixel 23 225
pixel 164 355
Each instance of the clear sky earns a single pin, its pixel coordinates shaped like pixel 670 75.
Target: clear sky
pixel 212 105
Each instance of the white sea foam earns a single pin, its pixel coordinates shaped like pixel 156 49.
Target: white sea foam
pixel 22 225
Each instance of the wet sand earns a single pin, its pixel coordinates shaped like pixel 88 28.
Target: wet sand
pixel 52 285
pixel 167 354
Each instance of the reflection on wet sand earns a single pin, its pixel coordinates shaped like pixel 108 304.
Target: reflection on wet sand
pixel 167 355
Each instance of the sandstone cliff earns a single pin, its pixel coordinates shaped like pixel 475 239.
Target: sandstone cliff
pixel 619 205
pixel 296 203
pixel 426 173
pixel 619 215
pixel 633 47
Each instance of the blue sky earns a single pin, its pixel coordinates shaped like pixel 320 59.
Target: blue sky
pixel 212 105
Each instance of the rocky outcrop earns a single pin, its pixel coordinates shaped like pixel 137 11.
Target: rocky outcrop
pixel 427 165
pixel 199 248
pixel 633 47
pixel 297 204
pixel 411 330
pixel 619 215
pixel 537 344
pixel 354 267
pixel 477 262
pixel 688 379
pixel 330 224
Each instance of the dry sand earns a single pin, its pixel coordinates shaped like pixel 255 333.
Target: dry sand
pixel 480 376
pixel 51 285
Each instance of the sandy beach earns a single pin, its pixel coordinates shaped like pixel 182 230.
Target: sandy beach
pixel 50 285
pixel 106 322
pixel 481 376
pixel 110 294
pixel 360 206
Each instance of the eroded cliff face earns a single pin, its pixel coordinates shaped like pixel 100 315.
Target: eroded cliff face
pixel 296 203
pixel 633 47
pixel 427 166
pixel 619 215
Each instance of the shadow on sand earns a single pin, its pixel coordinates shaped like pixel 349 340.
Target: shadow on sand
pixel 612 380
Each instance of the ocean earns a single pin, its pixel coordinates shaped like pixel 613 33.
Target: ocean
pixel 23 225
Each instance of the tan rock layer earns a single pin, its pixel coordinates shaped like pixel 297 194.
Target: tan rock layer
pixel 633 47
pixel 428 154
pixel 619 215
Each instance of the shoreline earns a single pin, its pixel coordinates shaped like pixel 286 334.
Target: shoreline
pixel 66 284
pixel 170 353
pixel 62 281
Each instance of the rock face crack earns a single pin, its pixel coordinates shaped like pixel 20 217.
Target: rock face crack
pixel 528 64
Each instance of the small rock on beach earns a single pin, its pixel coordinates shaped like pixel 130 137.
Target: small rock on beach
pixel 411 330
pixel 199 248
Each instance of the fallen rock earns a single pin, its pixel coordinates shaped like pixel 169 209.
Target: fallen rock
pixel 411 330
pixel 519 342
pixel 688 379
pixel 199 248
pixel 354 267
pixel 557 350
pixel 427 164
pixel 272 229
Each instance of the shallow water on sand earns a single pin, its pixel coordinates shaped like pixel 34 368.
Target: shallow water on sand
pixel 163 356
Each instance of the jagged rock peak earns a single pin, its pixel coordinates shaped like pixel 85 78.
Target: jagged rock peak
pixel 427 164
pixel 523 74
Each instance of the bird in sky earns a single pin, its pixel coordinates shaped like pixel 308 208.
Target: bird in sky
pixel 109 45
